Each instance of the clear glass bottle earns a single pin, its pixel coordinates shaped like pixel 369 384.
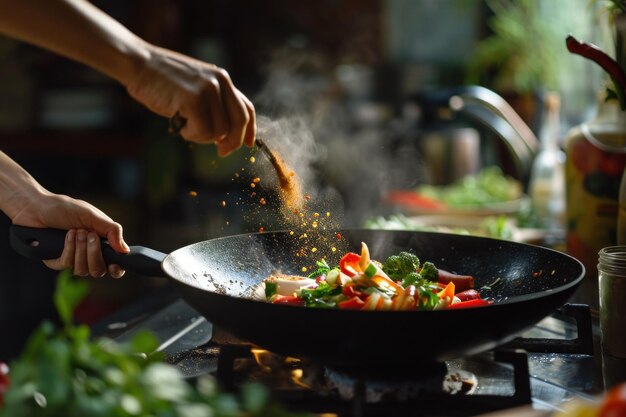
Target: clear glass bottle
pixel 612 279
pixel 547 177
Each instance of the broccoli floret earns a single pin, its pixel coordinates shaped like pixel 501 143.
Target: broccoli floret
pixel 429 271
pixel 399 266
pixel 413 278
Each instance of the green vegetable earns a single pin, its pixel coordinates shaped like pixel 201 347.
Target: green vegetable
pixel 322 269
pixel 270 288
pixel 489 186
pixel 429 272
pixel 332 275
pixel 322 296
pixel 62 372
pixel 371 270
pixel 428 299
pixel 413 278
pixel 399 266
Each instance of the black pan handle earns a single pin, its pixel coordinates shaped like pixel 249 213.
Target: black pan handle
pixel 40 244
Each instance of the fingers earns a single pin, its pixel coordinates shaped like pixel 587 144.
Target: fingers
pixel 83 254
pixel 115 271
pixel 251 127
pixel 220 114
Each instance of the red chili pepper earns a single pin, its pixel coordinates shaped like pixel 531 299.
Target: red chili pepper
pixel 287 299
pixel 478 302
pixel 349 264
pixel 354 303
pixel 595 54
pixel 4 381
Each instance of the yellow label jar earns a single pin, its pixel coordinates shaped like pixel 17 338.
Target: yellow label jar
pixel 595 161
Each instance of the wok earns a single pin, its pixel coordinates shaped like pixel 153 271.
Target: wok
pixel 216 277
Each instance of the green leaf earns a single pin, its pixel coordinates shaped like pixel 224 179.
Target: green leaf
pixel 144 342
pixel 69 293
pixel 254 398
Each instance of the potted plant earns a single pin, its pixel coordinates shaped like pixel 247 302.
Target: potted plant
pixel 518 59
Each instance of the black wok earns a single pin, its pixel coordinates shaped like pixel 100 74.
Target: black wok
pixel 216 276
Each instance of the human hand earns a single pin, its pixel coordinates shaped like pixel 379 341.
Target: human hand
pixel 203 94
pixel 85 224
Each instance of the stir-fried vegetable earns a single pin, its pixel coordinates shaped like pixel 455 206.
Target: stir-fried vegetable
pixel 402 282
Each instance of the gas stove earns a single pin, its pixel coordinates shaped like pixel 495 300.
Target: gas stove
pixel 543 368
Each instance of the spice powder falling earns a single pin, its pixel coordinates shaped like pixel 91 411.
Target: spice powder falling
pixel 290 187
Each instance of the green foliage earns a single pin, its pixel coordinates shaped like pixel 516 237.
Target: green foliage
pixel 520 54
pixel 489 186
pixel 616 6
pixel 66 373
pixel 68 294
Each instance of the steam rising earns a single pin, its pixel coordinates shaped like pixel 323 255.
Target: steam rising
pixel 340 144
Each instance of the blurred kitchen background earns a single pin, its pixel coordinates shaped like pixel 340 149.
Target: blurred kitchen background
pixel 354 94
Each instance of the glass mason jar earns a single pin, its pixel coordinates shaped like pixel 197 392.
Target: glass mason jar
pixel 612 282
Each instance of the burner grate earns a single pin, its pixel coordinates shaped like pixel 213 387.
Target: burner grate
pixel 582 344
pixel 429 400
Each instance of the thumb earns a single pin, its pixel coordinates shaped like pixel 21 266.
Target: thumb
pixel 116 239
pixel 113 232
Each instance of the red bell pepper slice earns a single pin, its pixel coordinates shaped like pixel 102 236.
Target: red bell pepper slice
pixel 287 299
pixel 354 303
pixel 349 264
pixel 478 302
pixel 349 291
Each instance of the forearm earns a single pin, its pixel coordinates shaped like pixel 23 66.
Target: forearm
pixel 17 187
pixel 78 30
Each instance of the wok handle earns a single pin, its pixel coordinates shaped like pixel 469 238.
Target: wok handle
pixel 41 244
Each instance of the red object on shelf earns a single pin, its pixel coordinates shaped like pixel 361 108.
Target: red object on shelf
pixel 413 199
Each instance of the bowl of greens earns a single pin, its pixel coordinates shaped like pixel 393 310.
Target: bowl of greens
pixel 486 193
